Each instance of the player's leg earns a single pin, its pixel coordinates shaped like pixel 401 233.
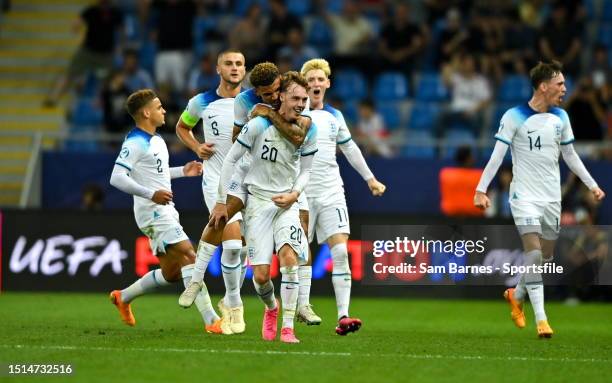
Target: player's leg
pixel 211 238
pixel 231 305
pixel 305 312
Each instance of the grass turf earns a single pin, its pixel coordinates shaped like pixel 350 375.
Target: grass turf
pixel 401 340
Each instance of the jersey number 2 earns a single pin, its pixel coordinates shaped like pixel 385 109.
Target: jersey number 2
pixel 159 166
pixel 536 144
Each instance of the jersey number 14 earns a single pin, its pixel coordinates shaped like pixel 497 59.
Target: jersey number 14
pixel 536 144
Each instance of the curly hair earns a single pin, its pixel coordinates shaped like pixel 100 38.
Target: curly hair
pixel 292 77
pixel 313 64
pixel 137 100
pixel 264 74
pixel 544 72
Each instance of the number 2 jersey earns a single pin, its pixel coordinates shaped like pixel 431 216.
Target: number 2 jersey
pixel 535 140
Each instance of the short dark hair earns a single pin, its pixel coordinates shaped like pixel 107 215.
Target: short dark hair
pixel 264 74
pixel 292 77
pixel 544 72
pixel 137 100
pixel 227 51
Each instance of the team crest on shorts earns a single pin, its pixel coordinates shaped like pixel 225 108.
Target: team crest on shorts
pixel 233 186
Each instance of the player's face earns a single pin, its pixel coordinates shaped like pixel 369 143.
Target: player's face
pixel 231 68
pixel 318 83
pixel 293 101
pixel 269 94
pixel 555 90
pixel 155 112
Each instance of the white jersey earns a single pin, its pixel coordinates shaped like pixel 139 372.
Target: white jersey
pixel 535 139
pixel 275 161
pixel 217 115
pixel 146 157
pixel 331 131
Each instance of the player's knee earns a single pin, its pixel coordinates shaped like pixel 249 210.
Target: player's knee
pixel 287 256
pixel 261 276
pixel 172 272
pixel 340 260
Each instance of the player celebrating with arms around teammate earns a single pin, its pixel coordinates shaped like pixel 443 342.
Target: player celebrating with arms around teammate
pixel 536 132
pixel 216 110
pixel 278 173
pixel 325 191
pixel 142 170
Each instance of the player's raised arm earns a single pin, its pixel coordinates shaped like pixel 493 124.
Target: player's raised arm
pixel 295 133
pixel 184 130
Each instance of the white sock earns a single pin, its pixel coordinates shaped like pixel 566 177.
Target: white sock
pixel 534 284
pixel 341 278
pixel 520 290
pixel 290 287
pixel 243 262
pixel 202 301
pixel 149 282
pixel 205 253
pixel 305 277
pixel 231 268
pixel 266 293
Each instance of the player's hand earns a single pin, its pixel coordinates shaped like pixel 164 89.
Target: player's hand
pixel 162 197
pixel 205 150
pixel 481 200
pixel 218 215
pixel 259 110
pixel 598 194
pixel 285 200
pixel 193 169
pixel 377 188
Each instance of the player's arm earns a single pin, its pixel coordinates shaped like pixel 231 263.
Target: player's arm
pixel 219 211
pixel 497 157
pixel 355 158
pixel 295 133
pixel 184 131
pixel 120 178
pixel 285 200
pixel 576 165
pixel 190 169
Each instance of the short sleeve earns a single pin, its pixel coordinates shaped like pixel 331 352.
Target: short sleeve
pixel 310 142
pixel 507 128
pixel 250 131
pixel 241 110
pixel 567 134
pixel 344 135
pixel 131 151
pixel 192 113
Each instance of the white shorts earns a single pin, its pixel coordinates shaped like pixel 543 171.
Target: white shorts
pixel 268 228
pixel 211 200
pixel 164 230
pixel 302 201
pixel 537 217
pixel 236 187
pixel 328 216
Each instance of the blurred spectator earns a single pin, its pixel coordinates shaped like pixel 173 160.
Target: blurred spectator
pixel 601 71
pixel 500 196
pixel 586 107
pixel 560 40
pixel 248 36
pixel 519 49
pixel 203 77
pixel 173 32
pixel 401 42
pixel 92 198
pixel 371 131
pixel 102 22
pixel 452 38
pixel 485 40
pixel 576 195
pixel 470 95
pixel 352 36
pixel 118 86
pixel 279 25
pixel 296 50
pixel 585 258
pixel 532 12
pixel 457 185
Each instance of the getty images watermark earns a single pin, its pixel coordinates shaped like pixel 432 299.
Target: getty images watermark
pixel 478 255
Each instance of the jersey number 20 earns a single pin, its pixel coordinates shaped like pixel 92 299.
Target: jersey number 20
pixel 269 153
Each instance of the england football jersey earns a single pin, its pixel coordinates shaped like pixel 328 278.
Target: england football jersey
pixel 146 157
pixel 331 131
pixel 535 140
pixel 246 100
pixel 275 161
pixel 217 114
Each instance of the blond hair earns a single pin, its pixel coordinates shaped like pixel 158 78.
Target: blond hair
pixel 313 64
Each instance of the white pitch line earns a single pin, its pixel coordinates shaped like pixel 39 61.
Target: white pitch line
pixel 310 353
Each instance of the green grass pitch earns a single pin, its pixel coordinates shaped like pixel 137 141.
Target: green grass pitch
pixel 401 340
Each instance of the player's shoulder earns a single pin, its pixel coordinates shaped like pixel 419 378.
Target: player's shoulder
pixel 333 111
pixel 519 113
pixel 248 96
pixel 259 122
pixel 559 112
pixel 206 98
pixel 138 138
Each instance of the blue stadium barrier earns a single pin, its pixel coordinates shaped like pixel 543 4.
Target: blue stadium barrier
pixel 349 84
pixel 514 88
pixel 391 86
pixel 424 116
pixel 431 88
pixel 391 114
